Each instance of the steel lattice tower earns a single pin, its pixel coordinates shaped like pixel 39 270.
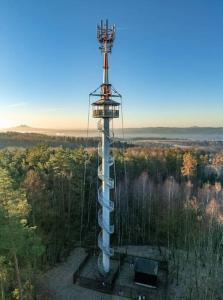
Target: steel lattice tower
pixel 106 109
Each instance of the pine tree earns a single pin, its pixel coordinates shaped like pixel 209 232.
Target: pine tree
pixel 19 244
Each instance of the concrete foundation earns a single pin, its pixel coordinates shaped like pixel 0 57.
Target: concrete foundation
pixel 89 276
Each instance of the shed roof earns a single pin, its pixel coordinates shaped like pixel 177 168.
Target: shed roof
pixel 146 266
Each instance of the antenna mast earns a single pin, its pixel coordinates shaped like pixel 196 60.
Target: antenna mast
pixel 105 109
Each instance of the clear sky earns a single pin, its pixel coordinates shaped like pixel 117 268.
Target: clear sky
pixel 167 61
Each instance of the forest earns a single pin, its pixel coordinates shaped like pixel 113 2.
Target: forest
pixel 28 140
pixel 170 197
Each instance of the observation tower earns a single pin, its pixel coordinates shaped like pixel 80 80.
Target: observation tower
pixel 129 271
pixel 106 109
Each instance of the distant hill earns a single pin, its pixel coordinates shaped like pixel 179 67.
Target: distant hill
pixel 25 129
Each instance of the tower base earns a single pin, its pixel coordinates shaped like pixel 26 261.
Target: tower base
pixel 90 277
pixel 122 280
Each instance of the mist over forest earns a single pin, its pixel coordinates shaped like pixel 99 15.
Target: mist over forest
pixel 195 132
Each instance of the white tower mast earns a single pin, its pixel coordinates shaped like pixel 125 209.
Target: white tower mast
pixel 105 108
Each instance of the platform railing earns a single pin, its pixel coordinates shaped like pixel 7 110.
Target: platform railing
pixel 105 113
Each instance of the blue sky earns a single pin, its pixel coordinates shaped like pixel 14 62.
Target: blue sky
pixel 167 61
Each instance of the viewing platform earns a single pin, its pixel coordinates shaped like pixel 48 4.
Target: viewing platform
pixel 105 109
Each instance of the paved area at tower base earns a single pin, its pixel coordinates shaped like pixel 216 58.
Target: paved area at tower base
pixel 78 278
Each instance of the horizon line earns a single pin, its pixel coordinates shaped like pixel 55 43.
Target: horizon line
pixel 84 129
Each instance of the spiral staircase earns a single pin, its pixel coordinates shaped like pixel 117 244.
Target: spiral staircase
pixel 104 204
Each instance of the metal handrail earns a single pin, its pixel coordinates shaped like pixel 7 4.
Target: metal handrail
pixel 108 228
pixel 109 206
pixel 108 251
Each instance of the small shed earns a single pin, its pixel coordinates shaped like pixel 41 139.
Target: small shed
pixel 146 272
